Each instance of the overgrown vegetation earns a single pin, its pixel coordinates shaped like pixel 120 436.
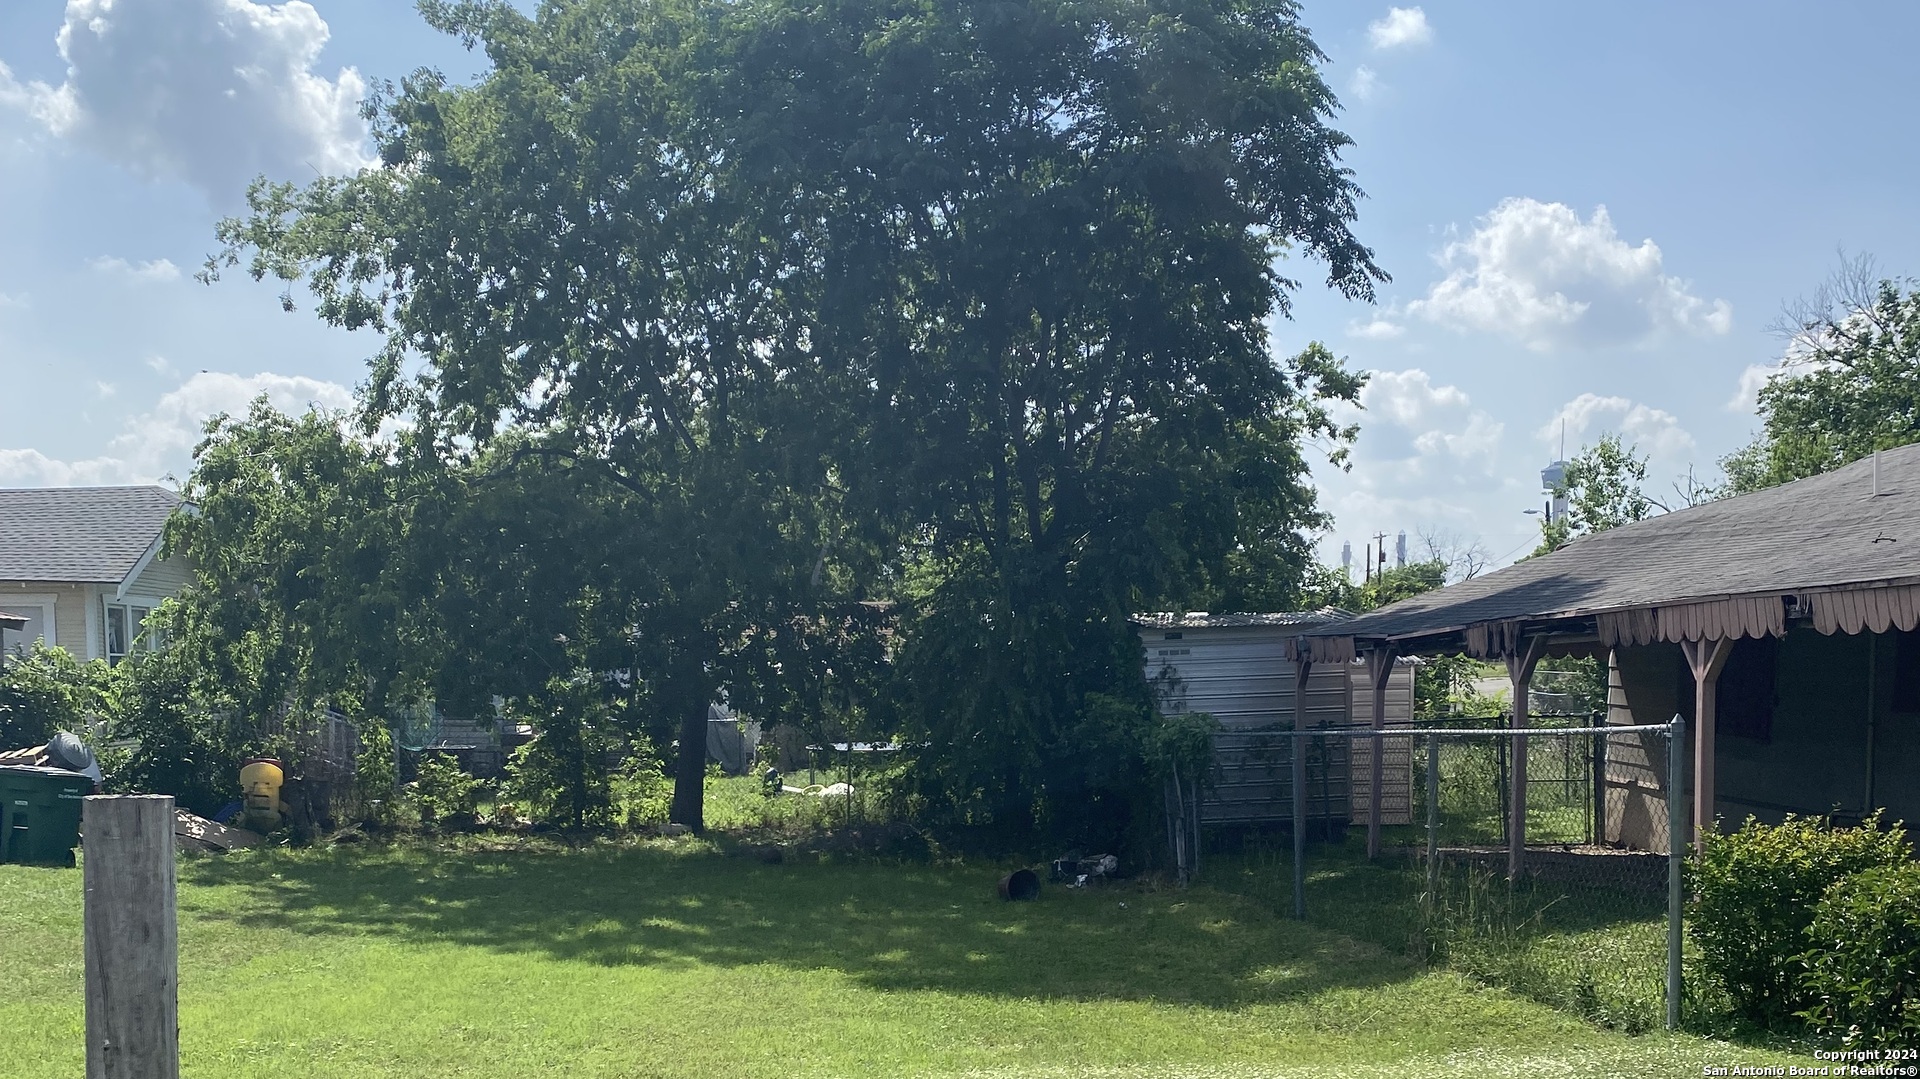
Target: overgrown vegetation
pixel 43 690
pixel 1862 977
pixel 445 796
pixel 1757 893
pixel 1848 384
pixel 1596 951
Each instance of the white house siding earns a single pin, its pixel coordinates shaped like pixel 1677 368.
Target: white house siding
pixel 69 611
pixel 163 578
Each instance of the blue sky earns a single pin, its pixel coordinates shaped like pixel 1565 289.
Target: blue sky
pixel 1591 215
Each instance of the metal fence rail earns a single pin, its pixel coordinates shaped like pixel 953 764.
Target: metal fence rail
pixel 1549 856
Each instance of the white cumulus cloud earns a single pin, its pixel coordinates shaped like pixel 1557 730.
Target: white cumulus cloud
pixel 1536 272
pixel 1746 398
pixel 153 271
pixel 31 468
pixel 1655 431
pixel 52 107
pixel 1365 83
pixel 1429 420
pixel 1424 455
pixel 212 92
pixel 1377 328
pixel 1401 27
pixel 161 440
pixel 1795 364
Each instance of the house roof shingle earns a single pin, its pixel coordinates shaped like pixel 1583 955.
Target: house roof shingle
pixel 1204 620
pixel 1826 531
pixel 79 534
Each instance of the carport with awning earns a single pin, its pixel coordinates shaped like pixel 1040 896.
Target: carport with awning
pixel 1781 624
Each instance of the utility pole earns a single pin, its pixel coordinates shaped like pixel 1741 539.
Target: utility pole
pixel 1380 545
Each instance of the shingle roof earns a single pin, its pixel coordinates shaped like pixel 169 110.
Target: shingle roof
pixel 1828 530
pixel 1204 620
pixel 79 534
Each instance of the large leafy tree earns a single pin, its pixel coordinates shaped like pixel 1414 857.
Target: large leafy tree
pixel 1849 385
pixel 568 266
pixel 977 289
pixel 1048 239
pixel 294 534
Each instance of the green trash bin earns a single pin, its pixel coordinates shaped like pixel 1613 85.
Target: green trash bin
pixel 40 814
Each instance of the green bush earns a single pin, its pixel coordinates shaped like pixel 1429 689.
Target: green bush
pixel 642 793
pixel 446 795
pixel 181 746
pixel 43 690
pixel 1863 968
pixel 374 775
pixel 1754 896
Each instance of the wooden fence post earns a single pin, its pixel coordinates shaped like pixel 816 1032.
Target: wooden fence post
pixel 132 937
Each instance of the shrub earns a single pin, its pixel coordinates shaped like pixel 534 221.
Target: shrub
pixel 561 776
pixel 374 775
pixel 642 793
pixel 1754 895
pixel 43 690
pixel 181 746
pixel 445 794
pixel 1863 968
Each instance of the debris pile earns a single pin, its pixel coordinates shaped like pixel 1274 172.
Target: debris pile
pixel 1077 872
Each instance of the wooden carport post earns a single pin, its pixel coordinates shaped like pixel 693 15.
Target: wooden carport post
pixel 1379 670
pixel 1302 668
pixel 1706 659
pixel 1521 660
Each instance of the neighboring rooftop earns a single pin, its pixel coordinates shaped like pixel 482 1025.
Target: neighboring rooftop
pixel 1827 531
pixel 1205 620
pixel 79 534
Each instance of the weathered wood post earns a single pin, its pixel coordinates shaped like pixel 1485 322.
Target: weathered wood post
pixel 1379 670
pixel 1521 660
pixel 1706 658
pixel 1302 669
pixel 132 937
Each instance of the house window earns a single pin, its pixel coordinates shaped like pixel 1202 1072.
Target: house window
pixel 127 630
pixel 1906 671
pixel 1744 698
pixel 39 626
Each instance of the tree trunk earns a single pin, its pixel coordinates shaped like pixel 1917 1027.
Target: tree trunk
pixel 690 770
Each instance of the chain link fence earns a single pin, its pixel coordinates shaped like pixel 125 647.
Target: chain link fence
pixel 1540 859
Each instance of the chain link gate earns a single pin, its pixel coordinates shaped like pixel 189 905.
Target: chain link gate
pixel 1582 907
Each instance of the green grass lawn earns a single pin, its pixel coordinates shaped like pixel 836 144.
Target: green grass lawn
pixel 673 958
pixel 1584 947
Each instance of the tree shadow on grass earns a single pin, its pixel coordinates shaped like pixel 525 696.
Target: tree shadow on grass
pixel 891 927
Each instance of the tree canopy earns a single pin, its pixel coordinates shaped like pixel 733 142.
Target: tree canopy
pixel 782 313
pixel 1849 384
pixel 1603 486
